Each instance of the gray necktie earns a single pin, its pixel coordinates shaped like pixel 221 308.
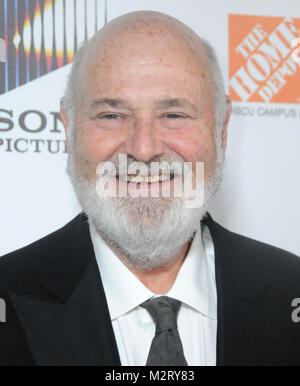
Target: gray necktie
pixel 166 347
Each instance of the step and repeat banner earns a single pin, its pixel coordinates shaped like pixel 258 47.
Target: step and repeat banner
pixel 258 45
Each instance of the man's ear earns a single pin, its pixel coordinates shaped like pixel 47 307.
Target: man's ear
pixel 64 119
pixel 226 121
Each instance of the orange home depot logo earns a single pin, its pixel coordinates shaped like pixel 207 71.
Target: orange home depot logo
pixel 262 53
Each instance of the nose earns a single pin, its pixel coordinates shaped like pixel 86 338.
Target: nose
pixel 144 143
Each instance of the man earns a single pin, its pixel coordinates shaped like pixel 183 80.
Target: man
pixel 143 280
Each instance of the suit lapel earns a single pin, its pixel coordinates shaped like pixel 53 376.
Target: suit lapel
pixel 245 333
pixel 64 315
pixel 66 321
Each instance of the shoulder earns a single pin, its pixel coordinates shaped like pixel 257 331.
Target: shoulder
pixel 259 251
pixel 246 245
pixel 255 261
pixel 24 265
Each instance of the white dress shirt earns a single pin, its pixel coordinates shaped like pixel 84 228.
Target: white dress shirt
pixel 194 286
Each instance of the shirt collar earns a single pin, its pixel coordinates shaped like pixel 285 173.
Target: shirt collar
pixel 194 285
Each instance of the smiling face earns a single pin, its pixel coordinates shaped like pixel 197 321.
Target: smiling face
pixel 145 90
pixel 145 94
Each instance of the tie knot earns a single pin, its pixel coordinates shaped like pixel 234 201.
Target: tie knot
pixel 164 312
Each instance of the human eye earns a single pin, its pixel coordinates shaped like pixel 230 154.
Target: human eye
pixel 109 116
pixel 174 116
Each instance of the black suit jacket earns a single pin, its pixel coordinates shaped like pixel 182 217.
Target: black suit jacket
pixel 57 312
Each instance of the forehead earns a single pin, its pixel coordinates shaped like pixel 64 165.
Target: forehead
pixel 150 60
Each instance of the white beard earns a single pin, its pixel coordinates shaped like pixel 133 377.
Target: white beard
pixel 148 232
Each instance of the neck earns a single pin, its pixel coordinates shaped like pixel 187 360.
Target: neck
pixel 161 279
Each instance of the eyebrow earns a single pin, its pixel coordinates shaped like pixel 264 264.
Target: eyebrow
pixel 161 104
pixel 175 102
pixel 111 102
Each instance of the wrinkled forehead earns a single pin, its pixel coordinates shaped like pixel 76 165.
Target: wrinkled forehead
pixel 141 42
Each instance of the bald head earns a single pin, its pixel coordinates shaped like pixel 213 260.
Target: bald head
pixel 143 37
pixel 139 39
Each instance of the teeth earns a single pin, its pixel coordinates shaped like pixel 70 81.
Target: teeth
pixel 140 179
pixel 136 179
pixel 152 179
pixel 164 178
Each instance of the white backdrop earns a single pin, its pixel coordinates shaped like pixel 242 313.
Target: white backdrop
pixel 260 192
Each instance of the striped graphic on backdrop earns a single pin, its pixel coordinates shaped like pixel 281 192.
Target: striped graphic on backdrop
pixel 41 36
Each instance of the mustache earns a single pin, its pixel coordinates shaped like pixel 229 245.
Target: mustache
pixel 165 164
